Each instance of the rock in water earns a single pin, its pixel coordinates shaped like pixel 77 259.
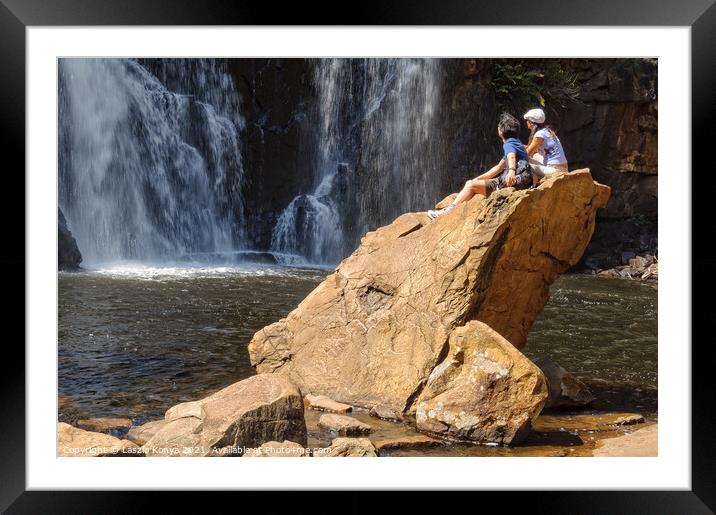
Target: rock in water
pixel 565 390
pixel 323 403
pixel 68 254
pixel 249 413
pixel 344 425
pixel 373 331
pixel 484 390
pixel 385 412
pixel 105 425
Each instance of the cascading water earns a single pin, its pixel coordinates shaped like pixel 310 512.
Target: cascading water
pixel 400 141
pixel 310 225
pixel 150 169
pixel 377 135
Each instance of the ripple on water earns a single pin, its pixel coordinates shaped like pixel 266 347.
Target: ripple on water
pixel 135 340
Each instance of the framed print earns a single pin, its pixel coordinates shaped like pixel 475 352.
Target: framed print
pixel 431 238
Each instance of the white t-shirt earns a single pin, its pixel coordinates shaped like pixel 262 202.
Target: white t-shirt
pixel 551 147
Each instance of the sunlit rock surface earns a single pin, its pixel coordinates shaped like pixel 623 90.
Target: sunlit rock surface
pixel 245 414
pixel 377 327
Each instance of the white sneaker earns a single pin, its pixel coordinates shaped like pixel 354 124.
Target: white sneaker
pixel 433 214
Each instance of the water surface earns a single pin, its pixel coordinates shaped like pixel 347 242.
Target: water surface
pixel 133 341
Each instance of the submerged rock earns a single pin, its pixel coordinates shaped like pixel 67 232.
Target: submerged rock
pixel 588 422
pixel 565 390
pixel 343 425
pixel 417 441
pixel 348 447
pixel 323 403
pixel 484 390
pixel 373 331
pixel 104 425
pixel 76 442
pixel 246 414
pixel 385 412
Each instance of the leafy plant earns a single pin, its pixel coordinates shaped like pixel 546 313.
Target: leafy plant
pixel 519 87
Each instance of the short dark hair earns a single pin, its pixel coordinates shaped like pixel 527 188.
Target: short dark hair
pixel 509 125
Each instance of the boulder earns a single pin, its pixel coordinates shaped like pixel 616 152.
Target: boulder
pixel 348 447
pixel 246 414
pixel 283 449
pixel 142 434
pixel 343 425
pixel 76 442
pixel 484 390
pixel 565 390
pixel 68 254
pixel 373 331
pixel 323 403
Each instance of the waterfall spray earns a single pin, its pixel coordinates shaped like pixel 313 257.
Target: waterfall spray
pixel 147 172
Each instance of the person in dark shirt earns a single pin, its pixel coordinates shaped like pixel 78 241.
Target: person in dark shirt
pixel 513 170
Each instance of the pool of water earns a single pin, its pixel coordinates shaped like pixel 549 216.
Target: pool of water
pixel 133 341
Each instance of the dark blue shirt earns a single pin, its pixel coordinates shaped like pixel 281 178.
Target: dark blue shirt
pixel 516 146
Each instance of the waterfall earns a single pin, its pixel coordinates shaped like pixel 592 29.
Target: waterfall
pixel 310 226
pixel 149 161
pixel 400 141
pixel 377 139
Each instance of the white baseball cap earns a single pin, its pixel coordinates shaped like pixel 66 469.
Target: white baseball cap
pixel 535 115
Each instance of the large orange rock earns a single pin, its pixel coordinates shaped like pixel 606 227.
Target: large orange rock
pixel 484 390
pixel 373 331
pixel 249 413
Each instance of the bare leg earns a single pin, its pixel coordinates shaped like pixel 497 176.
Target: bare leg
pixel 471 188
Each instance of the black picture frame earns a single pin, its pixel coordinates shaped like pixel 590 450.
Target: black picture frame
pixel 17 15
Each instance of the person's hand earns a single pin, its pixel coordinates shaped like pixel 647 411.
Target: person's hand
pixel 511 178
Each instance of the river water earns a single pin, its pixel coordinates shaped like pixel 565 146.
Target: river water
pixel 133 341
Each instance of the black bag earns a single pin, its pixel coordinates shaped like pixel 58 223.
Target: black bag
pixel 523 174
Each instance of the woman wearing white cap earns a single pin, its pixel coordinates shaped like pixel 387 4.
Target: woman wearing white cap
pixel 544 142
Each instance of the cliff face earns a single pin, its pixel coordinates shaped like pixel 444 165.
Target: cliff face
pixel 279 143
pixel 614 132
pixel 612 129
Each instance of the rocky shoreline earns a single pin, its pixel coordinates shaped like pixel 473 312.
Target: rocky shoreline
pixel 643 268
pixel 413 341
pixel 359 433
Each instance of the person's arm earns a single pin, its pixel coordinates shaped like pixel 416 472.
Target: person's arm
pixel 511 178
pixel 494 171
pixel 534 146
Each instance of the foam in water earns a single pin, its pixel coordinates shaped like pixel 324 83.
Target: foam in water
pixel 181 271
pixel 147 172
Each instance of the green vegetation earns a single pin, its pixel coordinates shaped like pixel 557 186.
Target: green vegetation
pixel 519 87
